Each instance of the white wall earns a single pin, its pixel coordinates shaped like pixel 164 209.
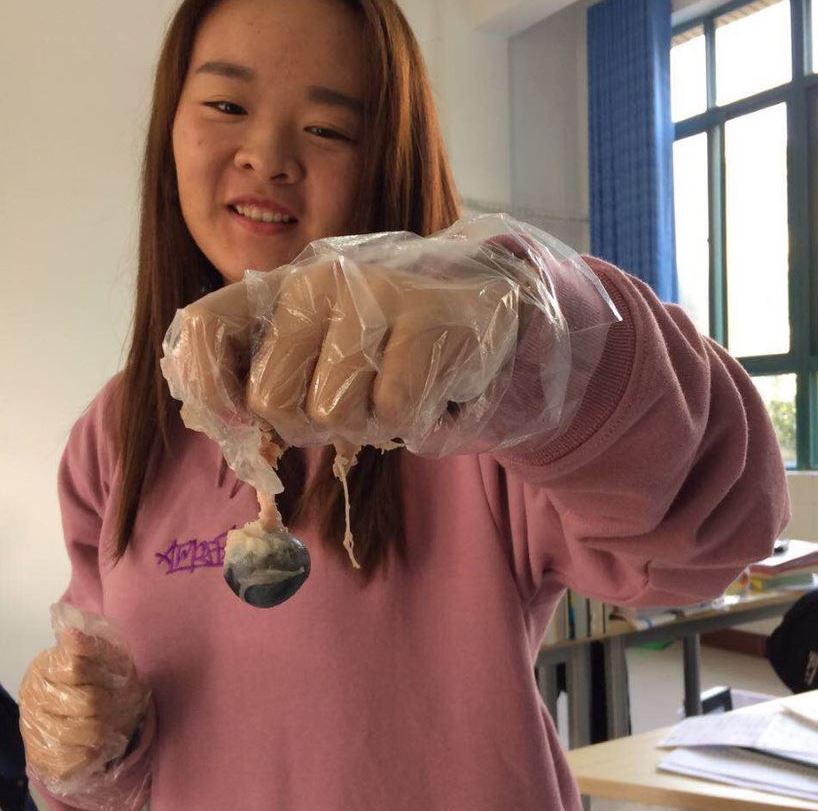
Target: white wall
pixel 509 17
pixel 75 84
pixel 549 124
pixel 469 72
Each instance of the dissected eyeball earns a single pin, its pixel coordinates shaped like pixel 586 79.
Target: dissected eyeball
pixel 264 567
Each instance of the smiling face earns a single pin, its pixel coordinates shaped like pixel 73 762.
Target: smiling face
pixel 267 134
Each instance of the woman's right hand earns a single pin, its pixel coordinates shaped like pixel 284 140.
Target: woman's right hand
pixel 80 703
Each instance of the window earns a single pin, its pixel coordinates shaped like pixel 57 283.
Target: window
pixel 744 94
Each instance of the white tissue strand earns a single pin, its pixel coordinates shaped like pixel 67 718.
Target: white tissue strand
pixel 269 518
pixel 346 457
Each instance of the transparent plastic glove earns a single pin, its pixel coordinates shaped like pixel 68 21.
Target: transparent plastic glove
pixel 80 704
pixel 383 337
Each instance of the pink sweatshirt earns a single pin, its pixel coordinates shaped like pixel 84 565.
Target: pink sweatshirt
pixel 418 691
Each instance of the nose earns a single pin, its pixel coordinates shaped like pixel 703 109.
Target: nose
pixel 270 153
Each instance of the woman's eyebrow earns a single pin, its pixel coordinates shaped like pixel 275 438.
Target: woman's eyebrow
pixel 334 98
pixel 227 69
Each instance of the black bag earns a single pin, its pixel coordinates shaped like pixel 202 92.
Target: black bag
pixel 792 648
pixel 14 794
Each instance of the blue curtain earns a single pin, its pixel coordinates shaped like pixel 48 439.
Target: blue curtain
pixel 631 140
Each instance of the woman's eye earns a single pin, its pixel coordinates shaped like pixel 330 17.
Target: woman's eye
pixel 325 132
pixel 226 107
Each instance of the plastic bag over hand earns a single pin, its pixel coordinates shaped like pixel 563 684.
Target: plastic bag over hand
pixel 478 338
pixel 80 703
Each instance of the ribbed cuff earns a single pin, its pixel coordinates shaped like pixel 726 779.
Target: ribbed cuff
pixel 605 388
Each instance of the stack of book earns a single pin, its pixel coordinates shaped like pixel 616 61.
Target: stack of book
pixel 792 566
pixel 577 617
pixel 642 618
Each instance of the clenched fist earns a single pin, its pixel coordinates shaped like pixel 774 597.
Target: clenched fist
pixel 80 703
pixel 347 348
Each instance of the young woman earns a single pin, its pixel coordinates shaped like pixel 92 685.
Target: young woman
pixel 407 684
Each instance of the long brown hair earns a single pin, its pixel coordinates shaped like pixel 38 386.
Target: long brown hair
pixel 406 185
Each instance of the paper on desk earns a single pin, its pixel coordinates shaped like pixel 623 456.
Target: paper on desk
pixel 773 731
pixel 789 736
pixel 724 729
pixel 738 767
pixel 805 708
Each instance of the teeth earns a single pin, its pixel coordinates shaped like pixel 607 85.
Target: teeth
pixel 259 215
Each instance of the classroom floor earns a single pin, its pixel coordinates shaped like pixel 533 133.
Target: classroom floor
pixel 656 690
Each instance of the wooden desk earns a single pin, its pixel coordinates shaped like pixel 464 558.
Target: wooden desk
pixel 575 655
pixel 625 769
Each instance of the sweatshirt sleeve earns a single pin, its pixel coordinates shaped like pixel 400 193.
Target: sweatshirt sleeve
pixel 84 486
pixel 668 481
